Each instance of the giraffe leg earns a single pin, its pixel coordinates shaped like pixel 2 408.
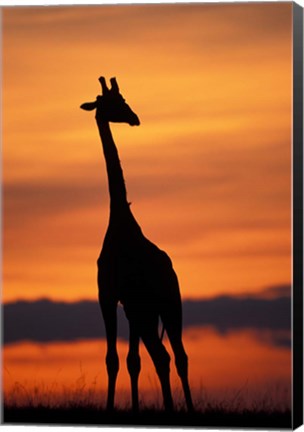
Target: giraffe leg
pixel 181 361
pixel 133 364
pixel 161 360
pixel 108 309
pixel 172 320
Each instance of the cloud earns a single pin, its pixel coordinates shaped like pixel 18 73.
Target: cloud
pixel 24 202
pixel 229 313
pixel 47 321
pixel 276 291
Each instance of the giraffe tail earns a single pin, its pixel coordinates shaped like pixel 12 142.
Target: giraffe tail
pixel 162 332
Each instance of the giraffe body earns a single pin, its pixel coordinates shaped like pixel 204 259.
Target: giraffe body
pixel 134 259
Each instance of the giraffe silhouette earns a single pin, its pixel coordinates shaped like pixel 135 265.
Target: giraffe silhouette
pixel 134 272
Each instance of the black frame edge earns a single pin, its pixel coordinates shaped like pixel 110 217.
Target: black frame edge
pixel 297 358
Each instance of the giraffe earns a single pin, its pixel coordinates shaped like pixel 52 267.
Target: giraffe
pixel 135 272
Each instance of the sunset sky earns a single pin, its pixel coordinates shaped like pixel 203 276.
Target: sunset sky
pixel 207 172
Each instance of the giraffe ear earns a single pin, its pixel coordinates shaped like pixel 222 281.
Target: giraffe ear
pixel 103 83
pixel 89 106
pixel 114 85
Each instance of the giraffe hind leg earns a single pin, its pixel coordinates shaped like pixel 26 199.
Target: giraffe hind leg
pixel 146 323
pixel 172 319
pixel 161 360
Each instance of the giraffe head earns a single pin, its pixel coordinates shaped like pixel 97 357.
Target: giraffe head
pixel 111 106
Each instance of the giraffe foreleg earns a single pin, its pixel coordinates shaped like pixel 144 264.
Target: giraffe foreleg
pixel 109 309
pixel 133 364
pixel 112 363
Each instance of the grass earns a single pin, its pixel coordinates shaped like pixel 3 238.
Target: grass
pixel 85 413
pixel 92 415
pixel 82 405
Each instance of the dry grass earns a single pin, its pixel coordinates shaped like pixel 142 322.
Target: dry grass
pixel 84 406
pixel 91 415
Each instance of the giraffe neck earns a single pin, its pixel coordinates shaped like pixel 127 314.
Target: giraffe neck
pixel 116 183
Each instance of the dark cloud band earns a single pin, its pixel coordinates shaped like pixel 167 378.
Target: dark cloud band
pixel 47 321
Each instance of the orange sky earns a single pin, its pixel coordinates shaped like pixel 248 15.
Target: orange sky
pixel 208 171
